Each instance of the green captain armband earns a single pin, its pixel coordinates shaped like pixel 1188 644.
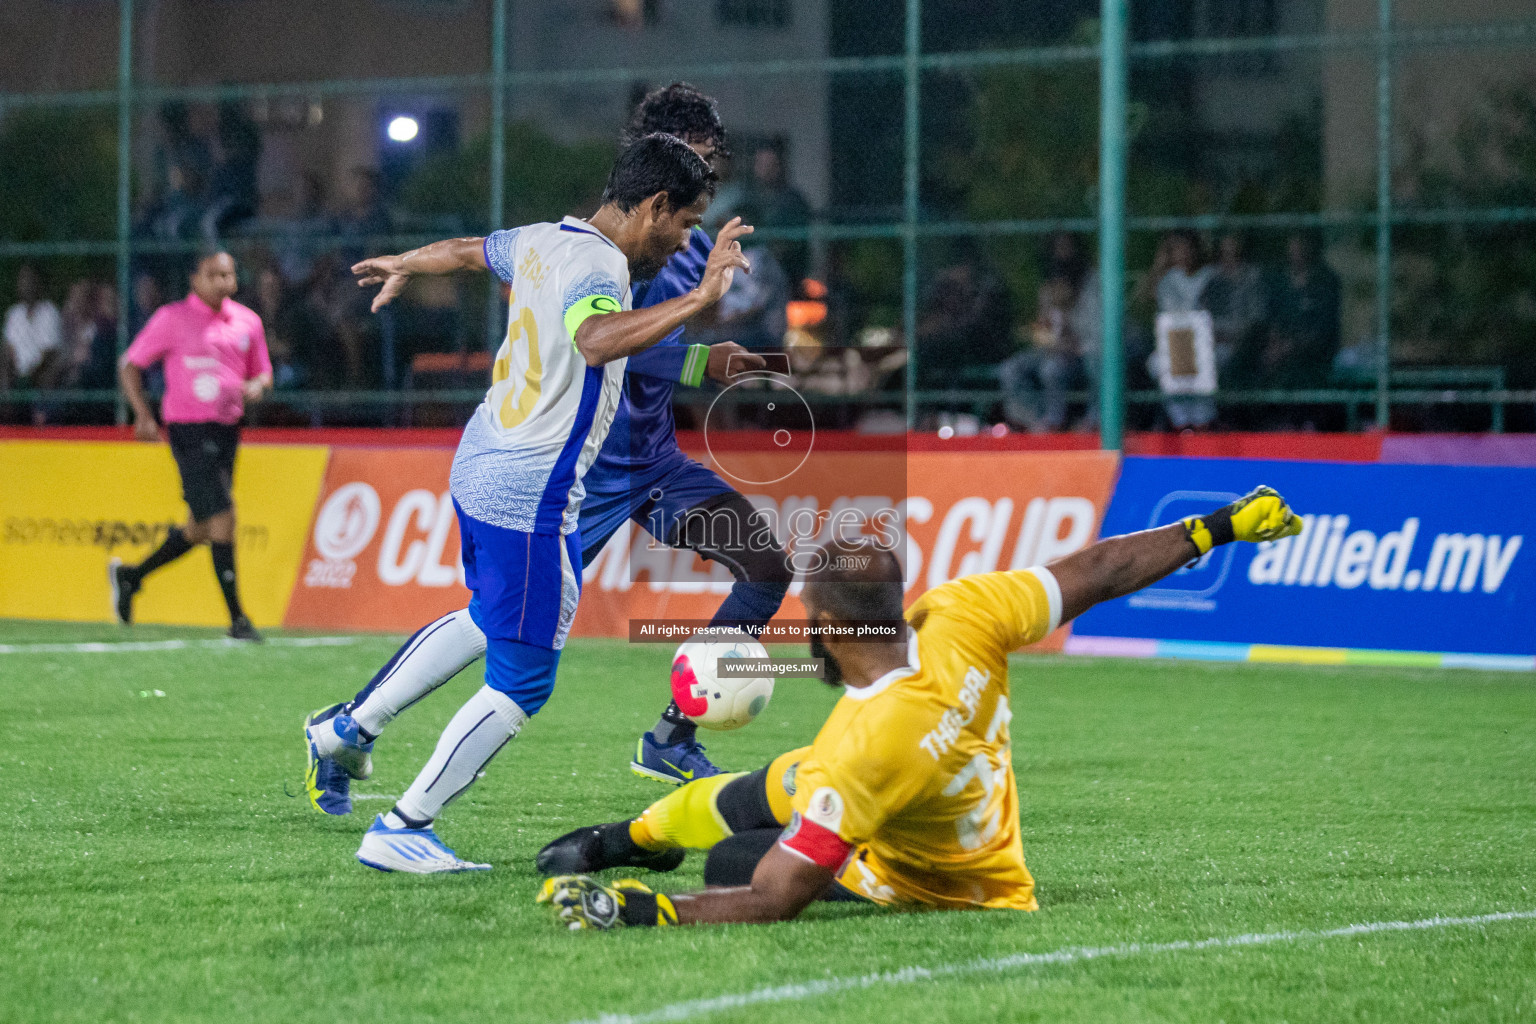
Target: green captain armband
pixel 592 305
pixel 694 364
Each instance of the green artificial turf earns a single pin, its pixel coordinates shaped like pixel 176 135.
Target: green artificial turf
pixel 152 867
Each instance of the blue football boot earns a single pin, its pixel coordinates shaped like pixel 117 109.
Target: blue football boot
pixel 675 764
pixel 327 783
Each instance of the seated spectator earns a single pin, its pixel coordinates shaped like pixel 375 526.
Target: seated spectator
pixel 33 333
pixel 1235 297
pixel 1035 381
pixel 234 195
pixel 177 214
pixel 366 214
pixel 1066 259
pixel 300 222
pixel 100 368
pixel 778 204
pixel 182 148
pixel 1303 337
pixel 965 320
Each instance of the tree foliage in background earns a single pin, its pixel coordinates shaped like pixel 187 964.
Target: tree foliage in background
pixel 58 178
pixel 545 178
pixel 59 169
pixel 1031 151
pixel 1467 293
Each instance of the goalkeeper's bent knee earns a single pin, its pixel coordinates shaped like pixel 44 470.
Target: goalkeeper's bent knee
pixel 702 813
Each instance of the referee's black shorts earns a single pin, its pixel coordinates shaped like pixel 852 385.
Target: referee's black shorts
pixel 205 455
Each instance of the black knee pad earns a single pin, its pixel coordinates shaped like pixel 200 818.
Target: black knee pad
pixel 729 530
pixel 743 803
pixel 733 860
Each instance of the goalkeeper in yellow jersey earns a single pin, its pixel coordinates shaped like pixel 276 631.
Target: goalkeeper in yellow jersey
pixel 907 795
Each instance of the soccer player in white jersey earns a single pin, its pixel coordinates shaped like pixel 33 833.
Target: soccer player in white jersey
pixel 516 478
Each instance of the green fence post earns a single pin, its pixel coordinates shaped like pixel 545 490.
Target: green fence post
pixel 910 157
pixel 124 179
pixel 1112 160
pixel 1383 212
pixel 498 162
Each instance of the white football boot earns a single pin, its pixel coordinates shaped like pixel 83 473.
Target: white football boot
pixel 416 851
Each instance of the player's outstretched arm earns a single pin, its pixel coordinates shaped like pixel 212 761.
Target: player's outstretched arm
pixel 1123 565
pixel 605 336
pixel 445 257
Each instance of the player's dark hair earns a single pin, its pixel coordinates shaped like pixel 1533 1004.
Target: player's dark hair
pixel 870 592
pixel 677 109
pixel 654 164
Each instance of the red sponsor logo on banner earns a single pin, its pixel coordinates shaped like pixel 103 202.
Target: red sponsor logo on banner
pixel 383 551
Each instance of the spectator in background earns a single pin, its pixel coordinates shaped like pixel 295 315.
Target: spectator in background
pixel 1062 344
pixel 33 332
pixel 178 214
pixel 965 319
pixel 1036 380
pixel 295 236
pixel 366 215
pixel 1085 319
pixel 182 149
pixel 100 369
pixel 1235 298
pixel 87 354
pixel 778 204
pixel 272 305
pixel 1303 335
pixel 146 298
pixel 234 193
pixel 1181 277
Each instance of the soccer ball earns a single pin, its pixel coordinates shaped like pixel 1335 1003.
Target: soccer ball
pixel 710 699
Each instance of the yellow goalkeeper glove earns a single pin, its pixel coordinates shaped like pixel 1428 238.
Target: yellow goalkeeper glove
pixel 1259 515
pixel 581 901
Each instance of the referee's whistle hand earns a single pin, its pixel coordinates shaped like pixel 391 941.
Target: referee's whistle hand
pixel 146 429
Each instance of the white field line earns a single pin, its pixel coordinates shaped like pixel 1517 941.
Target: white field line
pixel 375 796
pixel 695 1008
pixel 174 645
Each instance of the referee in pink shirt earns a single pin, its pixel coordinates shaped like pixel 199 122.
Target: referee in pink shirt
pixel 215 356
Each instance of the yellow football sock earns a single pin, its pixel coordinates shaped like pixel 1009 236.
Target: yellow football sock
pixel 685 817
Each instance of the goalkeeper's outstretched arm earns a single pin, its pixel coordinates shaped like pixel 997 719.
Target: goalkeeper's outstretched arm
pixel 1122 565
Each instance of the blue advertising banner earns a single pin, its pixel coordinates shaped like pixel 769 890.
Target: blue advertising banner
pixel 1395 558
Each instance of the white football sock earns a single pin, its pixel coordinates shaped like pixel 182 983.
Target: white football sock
pixel 481 728
pixel 434 656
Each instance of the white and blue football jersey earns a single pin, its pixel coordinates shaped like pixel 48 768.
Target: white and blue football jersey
pixel 521 460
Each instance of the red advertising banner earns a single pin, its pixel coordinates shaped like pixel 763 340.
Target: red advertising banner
pixel 383 550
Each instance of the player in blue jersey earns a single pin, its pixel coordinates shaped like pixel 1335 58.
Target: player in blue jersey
pixel 517 475
pixel 641 475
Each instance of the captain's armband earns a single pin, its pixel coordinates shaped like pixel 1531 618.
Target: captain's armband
pixel 592 305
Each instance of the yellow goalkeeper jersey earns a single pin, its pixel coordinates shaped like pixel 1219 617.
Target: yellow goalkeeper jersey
pixel 915 771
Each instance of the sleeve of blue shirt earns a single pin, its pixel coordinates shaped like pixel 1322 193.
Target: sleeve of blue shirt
pixel 669 359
